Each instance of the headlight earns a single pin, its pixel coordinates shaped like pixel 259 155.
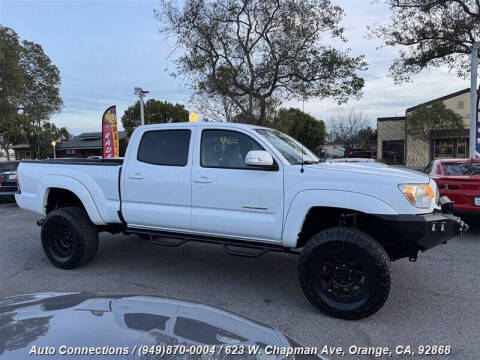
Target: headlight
pixel 419 195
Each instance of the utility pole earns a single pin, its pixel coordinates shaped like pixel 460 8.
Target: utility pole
pixel 141 93
pixel 473 102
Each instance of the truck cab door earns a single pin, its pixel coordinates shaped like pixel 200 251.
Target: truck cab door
pixel 229 198
pixel 156 191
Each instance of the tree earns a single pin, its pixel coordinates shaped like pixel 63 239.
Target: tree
pixel 426 118
pixel 432 33
pixel 11 87
pixel 30 81
pixel 214 107
pixel 347 128
pixel 367 136
pixel 252 50
pixel 11 133
pixel 41 138
pixel 301 126
pixel 42 89
pixel 156 112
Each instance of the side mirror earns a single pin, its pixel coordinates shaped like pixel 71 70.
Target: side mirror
pixel 258 158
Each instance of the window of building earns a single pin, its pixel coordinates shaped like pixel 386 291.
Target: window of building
pixel 442 148
pixel 450 148
pixel 165 147
pixel 392 152
pixel 226 149
pixel 460 105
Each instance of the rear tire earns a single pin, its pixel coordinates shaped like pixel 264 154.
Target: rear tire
pixel 69 238
pixel 345 273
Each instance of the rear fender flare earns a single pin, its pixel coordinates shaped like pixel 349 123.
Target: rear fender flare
pixel 76 187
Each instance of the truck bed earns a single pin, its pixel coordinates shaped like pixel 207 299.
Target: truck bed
pixel 94 181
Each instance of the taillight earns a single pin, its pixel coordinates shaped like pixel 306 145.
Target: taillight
pixel 18 183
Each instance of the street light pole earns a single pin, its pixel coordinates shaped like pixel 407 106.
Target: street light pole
pixel 54 143
pixel 141 93
pixel 473 102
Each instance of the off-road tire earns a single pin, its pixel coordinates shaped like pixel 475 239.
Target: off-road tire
pixel 364 259
pixel 69 238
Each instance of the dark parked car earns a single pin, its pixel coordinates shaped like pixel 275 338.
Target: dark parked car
pixel 8 182
pixel 8 185
pixel 124 326
pixel 359 153
pixel 8 165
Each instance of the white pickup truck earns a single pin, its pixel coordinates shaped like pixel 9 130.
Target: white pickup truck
pixel 252 190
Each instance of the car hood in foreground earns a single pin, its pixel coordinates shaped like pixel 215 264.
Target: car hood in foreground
pixel 77 320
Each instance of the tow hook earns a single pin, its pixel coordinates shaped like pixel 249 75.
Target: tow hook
pixel 40 222
pixel 462 226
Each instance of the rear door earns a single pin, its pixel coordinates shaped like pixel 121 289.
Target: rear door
pixel 230 198
pixel 156 191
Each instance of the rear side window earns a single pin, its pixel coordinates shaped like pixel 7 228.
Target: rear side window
pixel 458 168
pixel 165 147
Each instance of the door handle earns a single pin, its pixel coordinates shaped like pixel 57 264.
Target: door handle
pixel 136 176
pixel 202 180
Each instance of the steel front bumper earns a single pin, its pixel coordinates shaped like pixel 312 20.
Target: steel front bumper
pixel 429 230
pixel 409 234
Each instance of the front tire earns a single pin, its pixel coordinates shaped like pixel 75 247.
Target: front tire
pixel 69 238
pixel 345 273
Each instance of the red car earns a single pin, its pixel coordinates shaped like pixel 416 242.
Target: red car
pixel 459 179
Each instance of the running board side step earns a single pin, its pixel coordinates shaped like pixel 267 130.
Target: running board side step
pixel 230 246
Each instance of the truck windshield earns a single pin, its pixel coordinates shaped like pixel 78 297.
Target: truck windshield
pixel 288 147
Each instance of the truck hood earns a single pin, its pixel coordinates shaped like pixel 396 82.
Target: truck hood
pixel 402 175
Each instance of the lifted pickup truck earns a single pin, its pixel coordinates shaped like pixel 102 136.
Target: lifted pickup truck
pixel 252 190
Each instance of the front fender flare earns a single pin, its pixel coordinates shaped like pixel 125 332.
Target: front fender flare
pixel 307 199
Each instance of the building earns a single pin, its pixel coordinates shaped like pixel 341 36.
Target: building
pixel 85 145
pixel 22 151
pixel 391 140
pixel 396 146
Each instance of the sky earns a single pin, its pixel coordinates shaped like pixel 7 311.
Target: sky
pixel 105 48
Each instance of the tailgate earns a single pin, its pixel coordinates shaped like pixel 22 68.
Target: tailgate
pixel 463 190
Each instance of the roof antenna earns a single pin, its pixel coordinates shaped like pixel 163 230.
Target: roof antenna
pixel 303 105
pixel 301 169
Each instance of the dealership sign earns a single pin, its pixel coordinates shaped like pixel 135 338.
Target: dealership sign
pixel 110 147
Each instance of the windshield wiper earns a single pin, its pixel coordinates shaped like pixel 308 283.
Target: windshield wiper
pixel 310 162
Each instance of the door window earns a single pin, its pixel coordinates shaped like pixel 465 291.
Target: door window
pixel 226 149
pixel 165 147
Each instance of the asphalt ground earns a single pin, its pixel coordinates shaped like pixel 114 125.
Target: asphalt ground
pixel 434 301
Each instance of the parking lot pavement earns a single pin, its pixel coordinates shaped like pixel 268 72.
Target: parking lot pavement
pixel 435 301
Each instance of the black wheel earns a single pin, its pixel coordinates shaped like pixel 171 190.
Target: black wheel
pixel 344 273
pixel 69 238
